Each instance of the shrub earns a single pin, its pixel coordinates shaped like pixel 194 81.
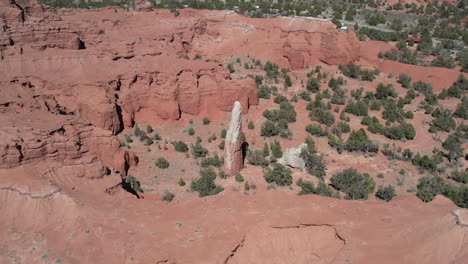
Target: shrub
pixel 350 70
pixel 128 139
pixel 315 130
pixel 264 92
pixel 444 121
pixel 392 112
pixel 385 91
pixel 305 96
pixel 321 116
pixel 358 141
pixel 280 98
pixel 462 109
pixel 336 143
pixel 162 163
pixel 333 84
pixel 354 184
pixel 198 150
pixel 149 142
pixel 429 187
pixel 246 186
pixel 134 183
pixel 444 60
pixel 180 146
pixel 313 85
pixel 269 129
pixel 231 68
pixel 157 137
pixel 454 145
pixel 271 69
pixel 460 176
pixel 313 161
pixel 343 127
pixel 399 132
pixel 191 131
pixel 458 194
pixel 168 196
pixel 279 175
pixel 424 88
pixel 239 177
pixel 323 189
pixel 137 131
pixel 404 80
pixel 221 145
pixel 251 125
pixel 287 81
pixel 206 121
pixel 181 182
pixel 276 150
pixel 338 97
pixel 205 185
pixel 212 161
pixel 307 187
pixel 427 163
pixel 149 129
pixel 256 158
pixel 359 108
pixel 385 193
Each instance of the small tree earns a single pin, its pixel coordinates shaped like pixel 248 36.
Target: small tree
pixel 206 121
pixel 251 125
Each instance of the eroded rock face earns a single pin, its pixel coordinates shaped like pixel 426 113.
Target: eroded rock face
pixel 233 148
pixel 292 157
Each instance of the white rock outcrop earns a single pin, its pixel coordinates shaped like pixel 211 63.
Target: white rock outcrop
pixel 233 159
pixel 292 157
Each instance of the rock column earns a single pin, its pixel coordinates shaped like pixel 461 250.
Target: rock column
pixel 233 145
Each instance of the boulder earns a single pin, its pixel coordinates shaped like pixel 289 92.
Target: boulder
pixel 292 158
